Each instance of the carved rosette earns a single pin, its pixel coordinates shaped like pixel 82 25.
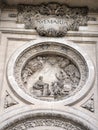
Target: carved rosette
pixel 52 19
pixel 48 71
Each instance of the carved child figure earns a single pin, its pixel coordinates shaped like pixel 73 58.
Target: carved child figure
pixel 46 91
pixel 61 76
pixel 56 90
pixel 26 73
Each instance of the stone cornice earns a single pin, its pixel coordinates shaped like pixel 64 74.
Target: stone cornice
pixel 5 5
pixel 52 19
pixel 33 32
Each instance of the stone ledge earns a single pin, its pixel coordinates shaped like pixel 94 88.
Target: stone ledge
pixel 33 32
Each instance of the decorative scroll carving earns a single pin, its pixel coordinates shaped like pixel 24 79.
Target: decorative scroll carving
pixel 47 123
pixel 52 19
pixel 9 101
pixel 89 105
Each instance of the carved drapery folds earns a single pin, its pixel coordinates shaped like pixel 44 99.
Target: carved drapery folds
pixel 52 19
pixel 50 76
pixel 50 71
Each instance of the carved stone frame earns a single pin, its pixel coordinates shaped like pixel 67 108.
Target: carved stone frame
pixel 70 100
pixel 26 112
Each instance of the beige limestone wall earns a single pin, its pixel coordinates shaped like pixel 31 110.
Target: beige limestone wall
pixel 13 35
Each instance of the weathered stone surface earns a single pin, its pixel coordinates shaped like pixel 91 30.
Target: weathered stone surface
pixel 89 104
pixel 53 19
pixel 37 64
pixel 47 120
pixel 9 101
pixel 50 67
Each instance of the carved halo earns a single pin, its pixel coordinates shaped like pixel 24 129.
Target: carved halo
pixel 50 71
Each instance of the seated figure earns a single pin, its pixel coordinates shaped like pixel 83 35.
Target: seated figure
pixel 40 88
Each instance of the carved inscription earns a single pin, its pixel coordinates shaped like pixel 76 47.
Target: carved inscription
pixel 52 19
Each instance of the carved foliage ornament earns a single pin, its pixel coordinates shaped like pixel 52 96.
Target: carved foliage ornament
pixel 49 71
pixel 9 101
pixel 52 19
pixel 54 77
pixel 89 104
pixel 46 122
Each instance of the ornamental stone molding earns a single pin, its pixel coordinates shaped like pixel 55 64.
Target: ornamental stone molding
pixel 46 120
pixel 52 71
pixel 52 19
pixel 46 123
pixel 89 104
pixel 9 101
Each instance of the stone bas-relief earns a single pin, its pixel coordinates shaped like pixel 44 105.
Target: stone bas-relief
pixel 9 101
pixel 50 77
pixel 89 105
pixel 47 71
pixel 46 123
pixel 52 19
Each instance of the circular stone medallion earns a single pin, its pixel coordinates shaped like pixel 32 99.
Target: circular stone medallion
pixel 49 71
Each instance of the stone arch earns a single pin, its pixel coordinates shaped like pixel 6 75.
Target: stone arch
pixel 27 118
